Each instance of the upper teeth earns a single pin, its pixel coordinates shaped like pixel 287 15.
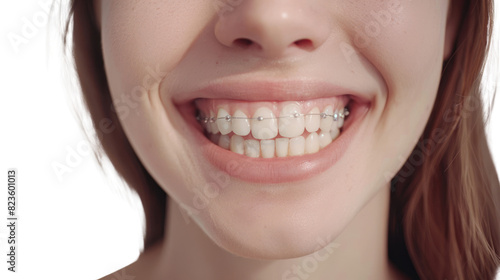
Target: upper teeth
pixel 265 125
pixel 291 122
pixel 224 122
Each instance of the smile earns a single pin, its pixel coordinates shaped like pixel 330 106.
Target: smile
pixel 270 132
pixel 276 129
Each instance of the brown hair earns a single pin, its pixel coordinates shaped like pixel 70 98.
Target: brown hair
pixel 444 212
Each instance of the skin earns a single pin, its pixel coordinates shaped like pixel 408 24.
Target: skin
pixel 248 229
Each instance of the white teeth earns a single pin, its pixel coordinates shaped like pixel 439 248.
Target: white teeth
pixel 324 139
pixel 231 132
pixel 252 148
pixel 241 125
pixel 334 133
pixel 312 143
pixel 326 123
pixel 297 146
pixel 340 121
pixel 264 124
pixel 213 125
pixel 282 147
pixel 224 142
pixel 267 148
pixel 237 145
pixel 223 125
pixel 291 122
pixel 312 120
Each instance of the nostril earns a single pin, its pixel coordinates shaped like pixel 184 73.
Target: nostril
pixel 243 42
pixel 304 44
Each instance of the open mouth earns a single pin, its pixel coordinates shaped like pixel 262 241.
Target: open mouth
pixel 272 132
pixel 272 129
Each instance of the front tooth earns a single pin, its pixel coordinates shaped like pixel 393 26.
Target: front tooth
pixel 326 123
pixel 324 139
pixel 291 122
pixel 264 124
pixel 213 124
pixel 252 148
pixel 312 120
pixel 237 145
pixel 334 132
pixel 224 142
pixel 223 124
pixel 282 147
pixel 340 121
pixel 297 146
pixel 240 123
pixel 267 148
pixel 312 143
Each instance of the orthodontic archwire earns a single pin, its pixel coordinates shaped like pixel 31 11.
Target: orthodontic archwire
pixel 336 116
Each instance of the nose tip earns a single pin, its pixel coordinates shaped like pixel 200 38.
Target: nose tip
pixel 272 28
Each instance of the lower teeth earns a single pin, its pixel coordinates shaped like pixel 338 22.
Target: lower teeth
pixel 278 147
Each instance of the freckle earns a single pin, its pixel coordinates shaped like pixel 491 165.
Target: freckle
pixel 217 62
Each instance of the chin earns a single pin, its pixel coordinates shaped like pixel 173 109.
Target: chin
pixel 273 225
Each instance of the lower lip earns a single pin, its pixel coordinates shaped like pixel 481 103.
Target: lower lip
pixel 280 170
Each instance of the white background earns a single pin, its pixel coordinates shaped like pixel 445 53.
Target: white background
pixel 82 224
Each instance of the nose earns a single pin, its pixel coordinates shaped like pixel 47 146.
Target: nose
pixel 272 28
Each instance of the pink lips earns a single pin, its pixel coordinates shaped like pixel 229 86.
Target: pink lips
pixel 275 170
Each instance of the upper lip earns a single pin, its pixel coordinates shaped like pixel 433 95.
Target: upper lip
pixel 272 90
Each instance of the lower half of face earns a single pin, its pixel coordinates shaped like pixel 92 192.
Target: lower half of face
pixel 273 122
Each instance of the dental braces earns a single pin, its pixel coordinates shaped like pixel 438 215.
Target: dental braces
pixel 336 116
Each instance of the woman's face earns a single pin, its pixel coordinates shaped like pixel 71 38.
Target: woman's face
pixel 238 108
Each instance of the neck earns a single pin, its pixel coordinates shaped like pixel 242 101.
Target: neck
pixel 359 252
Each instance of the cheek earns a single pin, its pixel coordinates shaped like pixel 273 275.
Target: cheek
pixel 142 42
pixel 403 44
pixel 404 40
pixel 138 35
pixel 414 55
